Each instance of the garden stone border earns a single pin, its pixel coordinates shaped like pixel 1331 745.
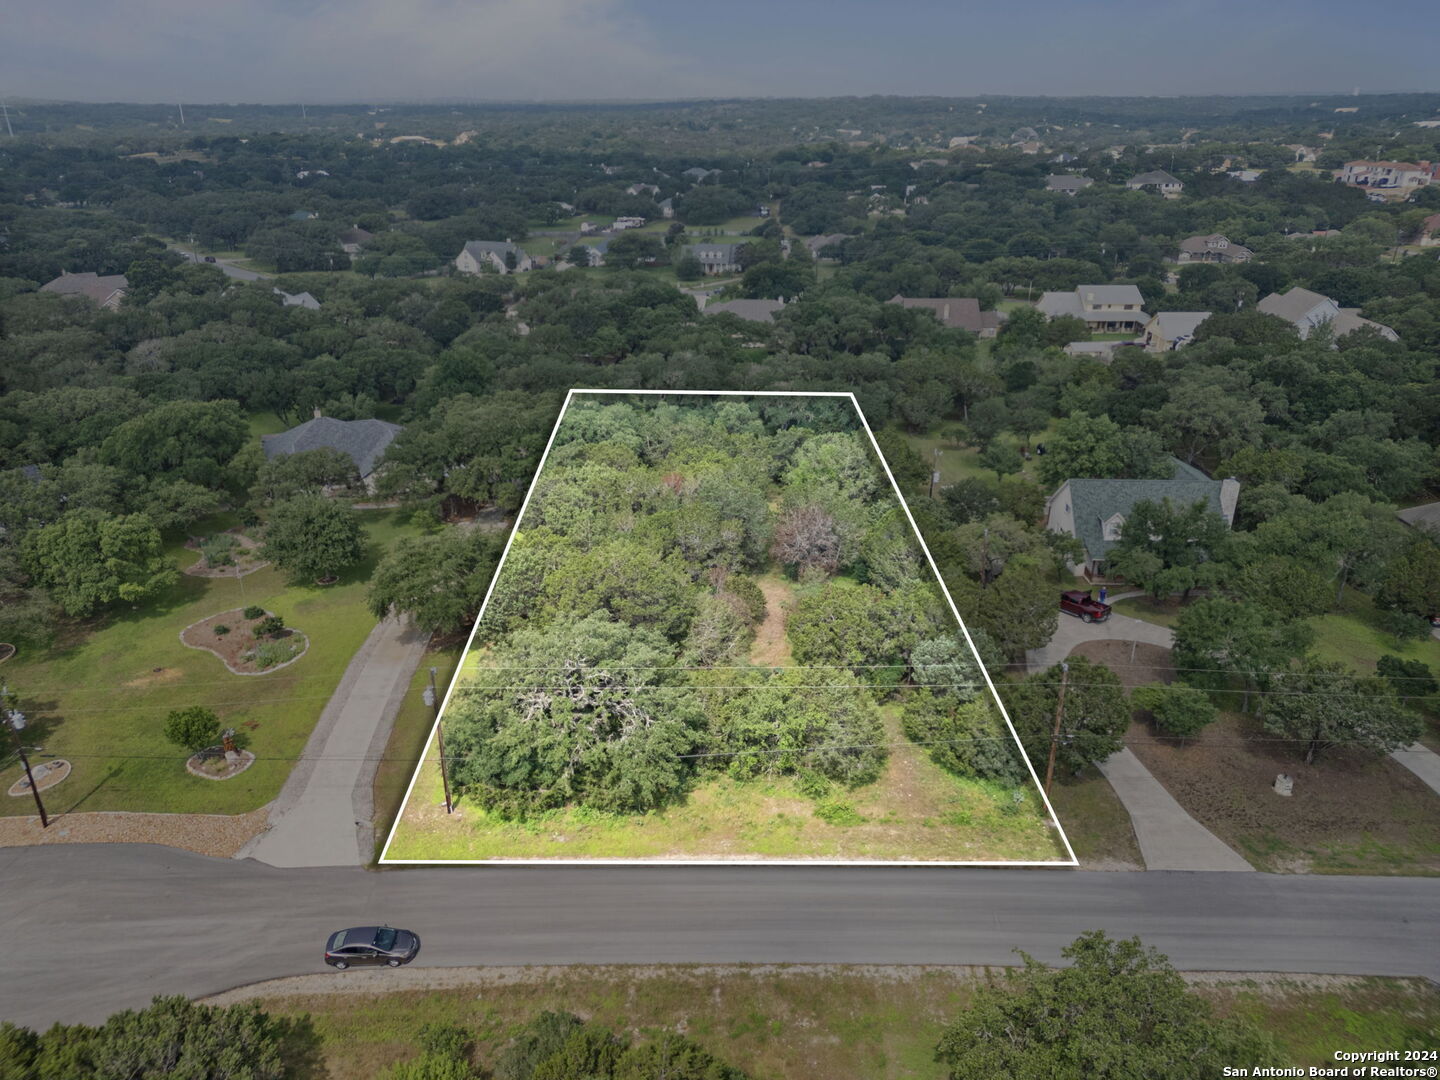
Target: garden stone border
pixel 47 781
pixel 246 760
pixel 228 667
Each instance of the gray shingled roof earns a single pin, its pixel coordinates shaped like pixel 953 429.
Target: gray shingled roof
pixel 1067 183
pixel 1157 176
pixel 957 312
pixel 1095 501
pixel 1109 294
pixel 480 248
pixel 89 284
pixel 1292 305
pixel 300 299
pixel 751 310
pixel 363 441
pixel 1425 516
pixel 1174 324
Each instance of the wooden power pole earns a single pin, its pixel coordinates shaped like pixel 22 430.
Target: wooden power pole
pixel 1055 735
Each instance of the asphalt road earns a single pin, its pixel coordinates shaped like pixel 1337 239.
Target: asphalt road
pixel 92 929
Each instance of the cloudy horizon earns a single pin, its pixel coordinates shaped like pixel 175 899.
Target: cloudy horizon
pixel 501 51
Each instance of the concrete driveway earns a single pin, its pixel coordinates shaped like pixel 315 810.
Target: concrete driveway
pixel 1072 631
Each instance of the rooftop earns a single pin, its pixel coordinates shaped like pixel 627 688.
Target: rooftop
pixel 363 441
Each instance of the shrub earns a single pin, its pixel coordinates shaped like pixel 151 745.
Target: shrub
pixel 748 593
pixel 272 653
pixel 193 729
pixel 1411 678
pixel 811 784
pixel 838 812
pixel 1403 626
pixel 269 626
pixel 254 612
pixel 221 629
pixel 446 1040
pixel 219 550
pixel 966 739
pixel 1177 710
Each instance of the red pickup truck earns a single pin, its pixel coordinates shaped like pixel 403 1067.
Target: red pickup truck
pixel 1082 604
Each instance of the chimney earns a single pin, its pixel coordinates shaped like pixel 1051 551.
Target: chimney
pixel 318 413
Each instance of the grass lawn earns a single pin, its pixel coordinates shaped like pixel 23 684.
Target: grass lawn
pixel 1352 636
pixel 1096 822
pixel 266 423
pixel 407 738
pixel 1160 612
pixel 100 695
pixel 960 461
pixel 802 1023
pixel 915 812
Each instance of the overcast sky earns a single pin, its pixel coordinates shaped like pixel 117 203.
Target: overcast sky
pixel 277 51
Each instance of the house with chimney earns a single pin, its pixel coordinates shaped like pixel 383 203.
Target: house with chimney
pixel 1215 248
pixel 1156 180
pixel 1306 311
pixel 499 255
pixel 1105 309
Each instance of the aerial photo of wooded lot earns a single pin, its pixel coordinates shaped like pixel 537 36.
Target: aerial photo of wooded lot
pixel 715 635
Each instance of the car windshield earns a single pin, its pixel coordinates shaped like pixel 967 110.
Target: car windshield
pixel 385 938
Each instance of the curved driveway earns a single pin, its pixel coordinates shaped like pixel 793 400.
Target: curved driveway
pixel 92 929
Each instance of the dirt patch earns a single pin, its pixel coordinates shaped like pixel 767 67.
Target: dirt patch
pixel 245 556
pixel 221 835
pixel 156 677
pixel 1351 812
pixel 771 647
pixel 239 648
pixel 1136 663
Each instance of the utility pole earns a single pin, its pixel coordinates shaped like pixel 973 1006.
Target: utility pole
pixel 6 110
pixel 14 719
pixel 1055 735
pixel 935 473
pixel 182 112
pixel 432 698
pixel 303 114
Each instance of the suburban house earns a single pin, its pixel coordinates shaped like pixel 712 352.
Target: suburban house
pixel 816 244
pixel 958 313
pixel 1391 175
pixel 1214 248
pixel 667 208
pixel 1425 517
pixel 354 239
pixel 107 291
pixel 1158 179
pixel 1245 176
pixel 303 299
pixel 1067 185
pixel 1169 330
pixel 717 258
pixel 636 189
pixel 1430 231
pixel 362 441
pixel 304 215
pixel 595 251
pixel 749 310
pixel 495 253
pixel 1305 310
pixel 698 175
pixel 1101 351
pixel 1106 309
pixel 1094 510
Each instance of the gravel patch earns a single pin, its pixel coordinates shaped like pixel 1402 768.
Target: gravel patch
pixel 221 835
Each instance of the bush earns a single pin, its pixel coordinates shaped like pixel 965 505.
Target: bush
pixel 269 626
pixel 271 653
pixel 968 739
pixel 193 729
pixel 811 784
pixel 1178 710
pixel 445 1040
pixel 254 612
pixel 838 812
pixel 219 550
pixel 1411 678
pixel 1403 626
pixel 748 593
pixel 221 629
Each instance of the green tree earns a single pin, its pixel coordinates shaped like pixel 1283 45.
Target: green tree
pixel 1325 704
pixel 90 559
pixel 1018 611
pixel 1119 1011
pixel 192 729
pixel 1217 639
pixel 1166 548
pixel 310 537
pixel 1178 710
pixel 689 268
pixel 583 711
pixel 1002 458
pixel 440 581
pixel 1092 722
pixel 184 440
pixel 1095 447
pixel 1410 580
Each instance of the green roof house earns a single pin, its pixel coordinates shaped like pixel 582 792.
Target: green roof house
pixel 1093 509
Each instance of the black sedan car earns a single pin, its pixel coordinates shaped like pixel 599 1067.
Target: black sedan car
pixel 371 945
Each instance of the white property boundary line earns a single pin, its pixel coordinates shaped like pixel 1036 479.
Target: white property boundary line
pixel 384 860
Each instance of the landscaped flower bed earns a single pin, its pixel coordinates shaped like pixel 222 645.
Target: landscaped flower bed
pixel 242 643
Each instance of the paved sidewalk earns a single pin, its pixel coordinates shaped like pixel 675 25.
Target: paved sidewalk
pixel 323 814
pixel 1169 838
pixel 1423 762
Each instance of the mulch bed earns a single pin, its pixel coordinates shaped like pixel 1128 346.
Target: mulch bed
pixel 211 764
pixel 236 649
pixel 1350 810
pixel 246 556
